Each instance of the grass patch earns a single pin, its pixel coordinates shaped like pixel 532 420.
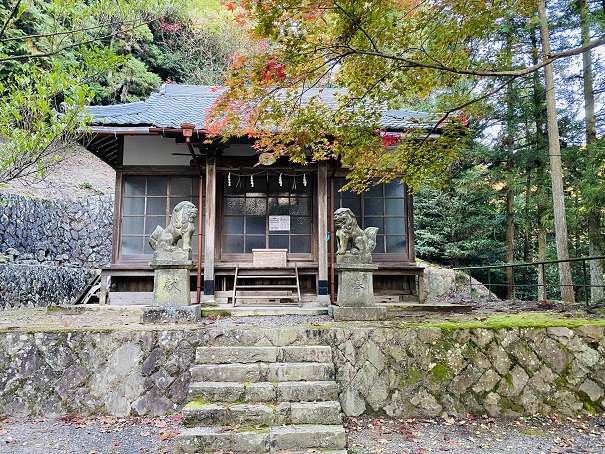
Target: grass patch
pixel 522 320
pixel 215 313
pixel 441 372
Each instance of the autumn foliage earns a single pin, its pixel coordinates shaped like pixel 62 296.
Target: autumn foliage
pixel 386 54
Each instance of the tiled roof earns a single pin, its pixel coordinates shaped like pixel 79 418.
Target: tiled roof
pixel 177 104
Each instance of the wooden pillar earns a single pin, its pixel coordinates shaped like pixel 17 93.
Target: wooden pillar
pixel 210 229
pixel 322 233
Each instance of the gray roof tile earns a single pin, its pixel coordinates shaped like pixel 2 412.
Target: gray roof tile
pixel 176 104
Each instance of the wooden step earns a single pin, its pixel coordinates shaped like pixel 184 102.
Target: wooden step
pixel 265 297
pixel 273 286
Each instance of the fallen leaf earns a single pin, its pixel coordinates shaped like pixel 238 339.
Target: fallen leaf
pixel 228 428
pixel 165 435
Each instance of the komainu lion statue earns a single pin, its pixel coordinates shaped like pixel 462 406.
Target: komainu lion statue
pixel 181 225
pixel 362 242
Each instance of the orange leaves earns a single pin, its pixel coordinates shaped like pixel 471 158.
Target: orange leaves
pixel 229 5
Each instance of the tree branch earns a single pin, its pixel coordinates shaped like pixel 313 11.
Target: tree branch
pixel 446 115
pixel 357 23
pixel 487 73
pixel 70 46
pixel 9 18
pixel 73 32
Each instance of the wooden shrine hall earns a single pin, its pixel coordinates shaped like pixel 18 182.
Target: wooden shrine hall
pixel 264 236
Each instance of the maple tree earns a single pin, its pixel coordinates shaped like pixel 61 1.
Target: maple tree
pixel 386 53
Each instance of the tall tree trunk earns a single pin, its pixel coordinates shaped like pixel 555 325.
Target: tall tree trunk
pixel 510 235
pixel 541 196
pixel 542 293
pixel 593 213
pixel 556 167
pixel 527 229
pixel 510 195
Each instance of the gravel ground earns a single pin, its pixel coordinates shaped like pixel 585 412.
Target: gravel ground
pixel 128 317
pixel 539 435
pixel 366 435
pixel 99 435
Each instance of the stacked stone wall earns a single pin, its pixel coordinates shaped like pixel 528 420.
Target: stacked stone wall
pixel 47 248
pixel 399 372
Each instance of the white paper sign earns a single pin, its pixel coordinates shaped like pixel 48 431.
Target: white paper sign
pixel 279 223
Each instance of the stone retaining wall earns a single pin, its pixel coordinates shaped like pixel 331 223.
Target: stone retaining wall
pixel 77 232
pixel 26 286
pixel 47 248
pixel 407 372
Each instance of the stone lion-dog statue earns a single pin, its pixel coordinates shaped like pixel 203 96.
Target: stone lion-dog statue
pixel 362 242
pixel 181 226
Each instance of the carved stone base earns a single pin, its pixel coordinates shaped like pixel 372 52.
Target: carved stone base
pixel 355 285
pixel 171 314
pixel 171 282
pixel 357 313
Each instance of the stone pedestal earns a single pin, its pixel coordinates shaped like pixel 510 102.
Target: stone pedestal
pixel 171 288
pixel 171 314
pixel 356 293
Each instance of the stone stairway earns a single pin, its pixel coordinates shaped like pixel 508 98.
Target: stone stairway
pixel 263 400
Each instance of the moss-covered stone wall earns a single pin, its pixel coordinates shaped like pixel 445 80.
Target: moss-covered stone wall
pixel 400 372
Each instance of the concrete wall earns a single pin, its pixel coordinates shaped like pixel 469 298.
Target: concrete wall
pixel 400 372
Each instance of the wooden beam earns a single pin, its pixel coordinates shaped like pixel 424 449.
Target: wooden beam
pixel 117 218
pixel 210 229
pixel 322 228
pixel 409 214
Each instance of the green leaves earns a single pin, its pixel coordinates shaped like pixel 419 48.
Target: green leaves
pixel 30 124
pixel 51 53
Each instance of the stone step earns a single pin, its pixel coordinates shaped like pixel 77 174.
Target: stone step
pixel 307 436
pixel 315 451
pixel 228 415
pixel 297 391
pixel 259 372
pixel 327 412
pixel 245 441
pixel 202 440
pixel 237 354
pixel 197 413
